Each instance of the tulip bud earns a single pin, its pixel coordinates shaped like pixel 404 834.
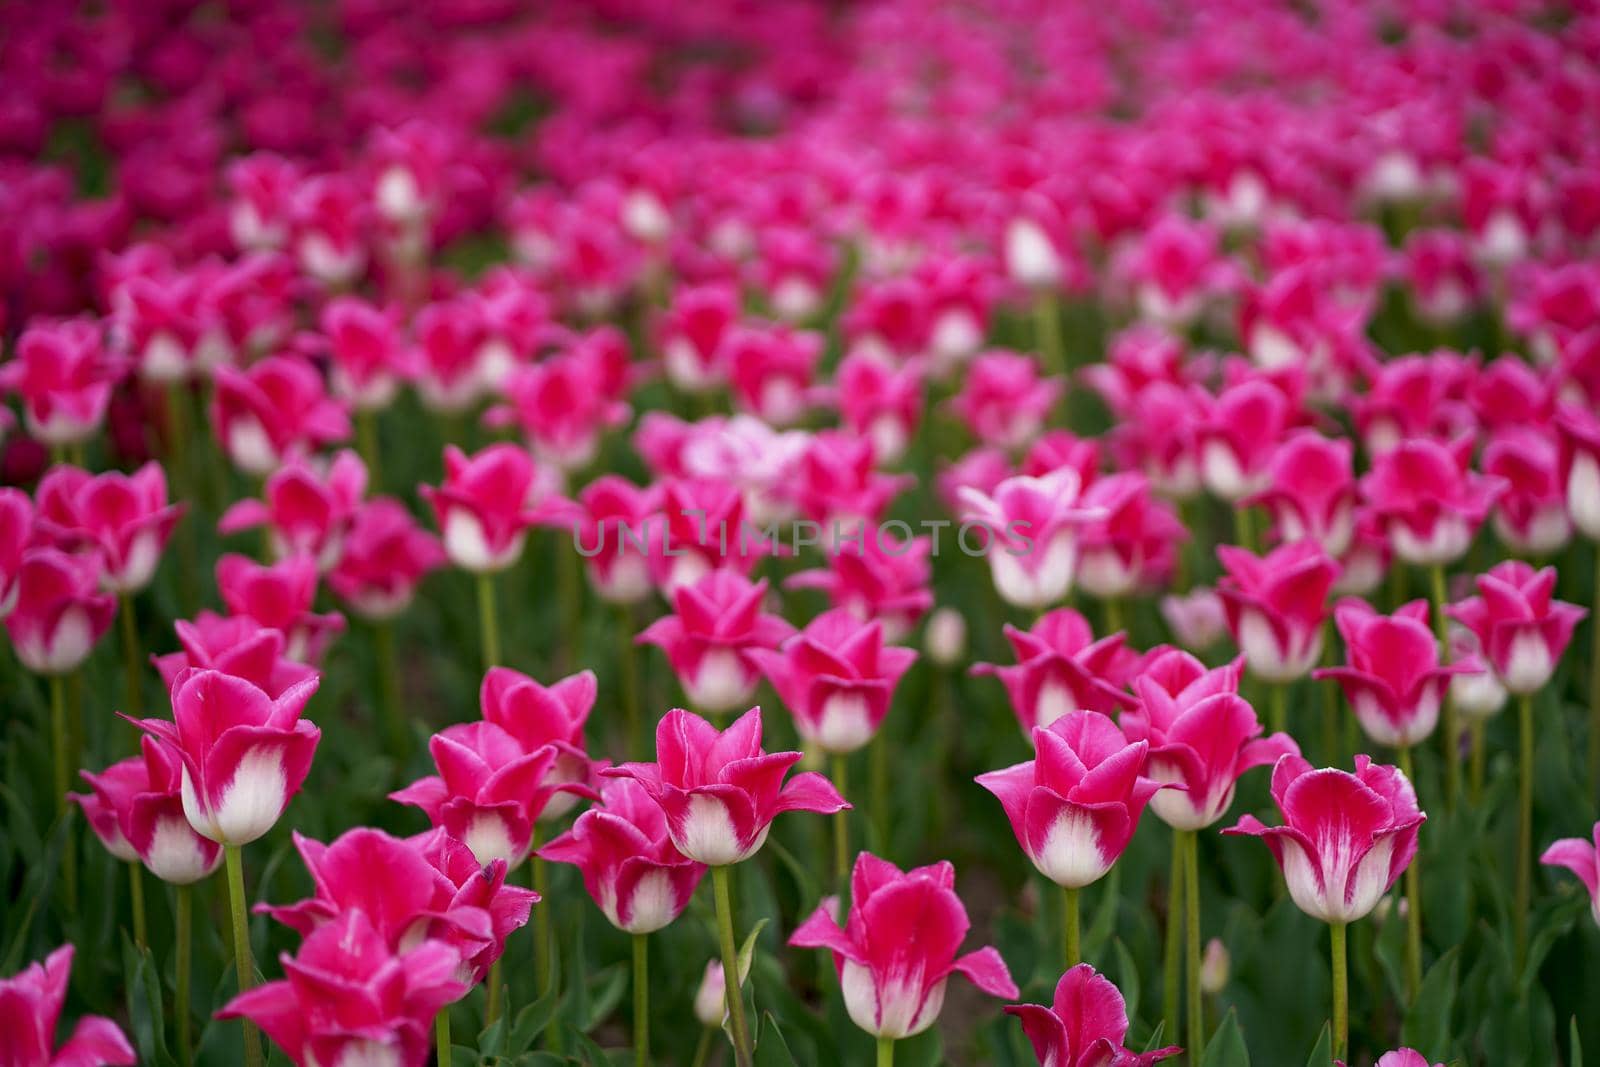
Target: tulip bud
pixel 711 1000
pixel 946 637
pixel 1214 967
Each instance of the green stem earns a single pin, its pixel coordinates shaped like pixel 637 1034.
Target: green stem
pixel 1413 901
pixel 243 964
pixel 1330 702
pixel 136 899
pixel 1172 960
pixel 1243 528
pixel 394 724
pixel 441 1036
pixel 367 443
pixel 1594 681
pixel 841 824
pixel 702 1048
pixel 183 922
pixel 630 680
pixel 641 999
pixel 132 656
pixel 878 768
pixel 1047 332
pixel 1071 925
pixel 570 592
pixel 1341 992
pixel 491 1004
pixel 179 452
pixel 63 759
pixel 488 623
pixel 743 1055
pixel 885 1052
pixel 1524 826
pixel 1475 772
pixel 1450 730
pixel 541 920
pixel 1278 712
pixel 1191 893
pixel 1113 612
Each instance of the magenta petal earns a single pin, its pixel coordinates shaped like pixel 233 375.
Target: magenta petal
pixel 988 972
pixel 810 791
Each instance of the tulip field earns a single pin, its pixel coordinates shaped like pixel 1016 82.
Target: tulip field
pixel 800 532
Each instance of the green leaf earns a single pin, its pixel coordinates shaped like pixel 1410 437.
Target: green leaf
pixel 747 951
pixel 606 994
pixel 533 1021
pixel 36 890
pixel 1227 1048
pixel 145 1003
pixel 1575 1055
pixel 1322 1053
pixel 1127 977
pixel 1427 1024
pixel 1156 1037
pixel 492 1039
pixel 772 1050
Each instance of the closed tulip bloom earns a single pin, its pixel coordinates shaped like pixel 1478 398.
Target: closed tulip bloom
pixel 1276 604
pixel 244 754
pixel 837 678
pixel 1530 516
pixel 538 715
pixel 1478 694
pixel 719 790
pixel 1580 467
pixel 487 503
pixel 692 335
pixel 630 867
pixel 386 555
pixel 1345 837
pixel 126 518
pixel 405 886
pixel 1196 618
pixel 236 645
pixel 16 531
pixel 1579 856
pixel 1134 544
pixel 709 642
pixel 309 510
pixel 1311 491
pixel 1004 400
pixel 1061 668
pixel 1240 434
pixel 1519 625
pixel 276 410
pixel 898 947
pixel 280 596
pixel 1074 806
pixel 771 369
pixel 59 613
pixel 1431 504
pixel 880 402
pixel 349 998
pixel 1034 527
pixel 1403 1057
pixel 30 1008
pixel 1084 1026
pixel 367 354
pixel 883 577
pixel 135 808
pixel 1203 737
pixel 64 377
pixel 711 999
pixel 1394 680
pixel 561 407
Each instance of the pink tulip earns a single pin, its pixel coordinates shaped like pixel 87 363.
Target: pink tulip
pixel 30 1007
pixel 1530 515
pixel 699 528
pixel 1004 400
pixel 837 679
pixel 262 185
pixel 1310 492
pixel 1084 1026
pixel 1137 358
pixel 450 372
pixel 719 790
pixel 58 613
pixel 1579 857
pixel 709 642
pixel 837 485
pixel 771 369
pixel 1203 736
pixel 1074 807
pixel 330 223
pixel 1579 436
pixel 280 596
pixel 1134 545
pixel 1346 837
pixel 309 510
pixel 487 503
pixel 692 333
pixel 1062 448
pixel 610 533
pixel 898 947
pixel 1243 428
pixel 385 556
pixel 1196 618
pixel 1521 629
pixel 368 357
pixel 64 377
pixel 883 578
pixel 236 645
pixel 16 533
pixel 126 518
pixel 135 808
pixel 1394 680
pixel 423 888
pixel 349 996
pixel 244 754
pixel 1034 526
pixel 1430 502
pixel 630 867
pixel 1276 605
pixel 879 402
pixel 274 411
pixel 1365 563
pixel 1414 398
pixel 1061 668
pixel 1404 1057
pixel 538 716
pixel 561 407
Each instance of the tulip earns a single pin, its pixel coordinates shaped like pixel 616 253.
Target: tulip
pixel 1578 434
pixel 536 716
pixel 487 503
pixel 1275 606
pixel 64 377
pixel 1522 631
pixel 30 1006
pixel 1084 1026
pixel 329 222
pixel 308 511
pixel 273 412
pixel 1005 401
pixel 450 366
pixel 1430 502
pixel 367 356
pixel 1345 840
pixel 1579 856
pixel 1311 492
pixel 1404 1057
pixel 1061 668
pixel 720 792
pixel 1530 515
pixel 711 640
pixel 561 407
pixel 1034 526
pixel 699 528
pixel 609 532
pixel 881 577
pixel 1214 970
pixel 1133 546
pixel 384 558
pixel 1074 807
pixel 945 639
pixel 879 402
pixel 280 596
pixel 16 532
pixel 237 645
pixel 898 948
pixel 57 615
pixel 1239 438
pixel 837 486
pixel 135 808
pixel 350 998
pixel 770 371
pixel 1414 399
pixel 1196 618
pixel 126 518
pixel 692 335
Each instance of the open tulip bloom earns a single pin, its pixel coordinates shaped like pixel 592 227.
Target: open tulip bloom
pixel 30 1007
pixel 1582 858
pixel 1084 1026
